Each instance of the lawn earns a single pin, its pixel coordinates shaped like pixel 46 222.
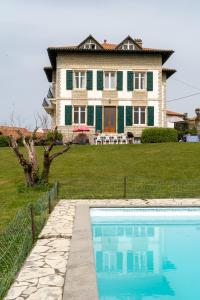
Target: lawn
pixel 151 170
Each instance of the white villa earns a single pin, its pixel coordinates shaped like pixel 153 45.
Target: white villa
pixel 111 88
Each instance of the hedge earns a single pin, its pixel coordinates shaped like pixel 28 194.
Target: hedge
pixel 159 135
pixel 4 141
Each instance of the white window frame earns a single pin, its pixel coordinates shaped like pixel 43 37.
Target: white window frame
pixel 88 45
pixel 128 44
pixel 79 79
pixel 140 78
pixel 139 115
pixel 109 80
pixel 79 114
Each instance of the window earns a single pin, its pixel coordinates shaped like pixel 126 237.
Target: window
pixel 79 114
pixel 80 79
pixel 110 80
pixel 90 45
pixel 139 80
pixel 128 46
pixel 139 114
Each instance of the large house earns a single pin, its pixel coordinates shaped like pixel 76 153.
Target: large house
pixel 111 88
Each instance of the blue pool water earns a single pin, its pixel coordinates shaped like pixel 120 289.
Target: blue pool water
pixel 147 253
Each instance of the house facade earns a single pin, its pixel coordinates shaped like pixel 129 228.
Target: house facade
pixel 111 88
pixel 175 117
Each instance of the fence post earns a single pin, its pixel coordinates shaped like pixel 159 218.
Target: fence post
pixel 124 186
pixel 57 188
pixel 49 203
pixel 32 222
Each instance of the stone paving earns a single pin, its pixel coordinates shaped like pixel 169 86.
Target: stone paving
pixel 42 275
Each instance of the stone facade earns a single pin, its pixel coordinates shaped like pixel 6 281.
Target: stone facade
pixel 108 62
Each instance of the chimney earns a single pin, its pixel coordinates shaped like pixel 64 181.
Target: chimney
pixel 139 42
pixel 105 41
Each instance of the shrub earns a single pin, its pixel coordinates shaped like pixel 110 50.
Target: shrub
pixel 4 141
pixel 159 135
pixel 59 136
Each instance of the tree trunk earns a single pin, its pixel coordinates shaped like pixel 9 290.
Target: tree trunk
pixel 28 177
pixel 46 168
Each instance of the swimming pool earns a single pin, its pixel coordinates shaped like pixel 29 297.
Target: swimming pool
pixel 147 253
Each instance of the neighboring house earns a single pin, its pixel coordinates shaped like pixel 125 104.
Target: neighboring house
pixel 13 131
pixel 112 88
pixel 174 117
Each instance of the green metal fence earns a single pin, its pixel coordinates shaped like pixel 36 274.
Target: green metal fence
pixel 128 187
pixel 19 236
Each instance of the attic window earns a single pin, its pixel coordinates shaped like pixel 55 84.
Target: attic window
pixel 90 45
pixel 128 46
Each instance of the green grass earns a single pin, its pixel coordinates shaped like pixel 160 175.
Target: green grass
pixel 98 171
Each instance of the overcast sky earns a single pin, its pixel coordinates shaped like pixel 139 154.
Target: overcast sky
pixel 28 27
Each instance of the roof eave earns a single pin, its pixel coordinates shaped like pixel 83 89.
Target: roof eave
pixel 52 52
pixel 169 72
pixel 48 71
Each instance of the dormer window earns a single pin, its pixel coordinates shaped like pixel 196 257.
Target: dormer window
pixel 128 45
pixel 90 45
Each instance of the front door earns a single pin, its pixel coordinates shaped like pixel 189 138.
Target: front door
pixel 109 119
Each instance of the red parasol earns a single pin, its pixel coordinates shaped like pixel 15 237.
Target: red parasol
pixel 81 128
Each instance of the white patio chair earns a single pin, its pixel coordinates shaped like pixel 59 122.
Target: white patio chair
pixel 124 139
pixel 107 139
pixel 115 140
pixel 111 137
pixel 103 139
pixel 98 140
pixel 119 138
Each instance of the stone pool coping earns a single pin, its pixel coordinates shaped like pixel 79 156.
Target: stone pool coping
pixel 80 282
pixel 42 275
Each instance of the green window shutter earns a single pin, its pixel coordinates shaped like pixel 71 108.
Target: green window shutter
pixel 89 80
pixel 119 80
pixel 150 115
pixel 149 81
pixel 99 117
pixel 69 80
pixel 68 115
pixel 90 115
pixel 99 80
pixel 129 115
pixel 130 78
pixel 120 119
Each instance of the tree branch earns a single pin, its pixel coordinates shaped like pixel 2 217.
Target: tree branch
pixel 20 156
pixel 59 152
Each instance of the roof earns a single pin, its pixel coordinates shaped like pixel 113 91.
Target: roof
pixel 169 72
pixel 105 48
pixel 106 45
pixel 13 131
pixel 173 113
pixel 48 71
pixel 9 130
pixel 53 51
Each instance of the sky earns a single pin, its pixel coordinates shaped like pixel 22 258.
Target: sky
pixel 28 27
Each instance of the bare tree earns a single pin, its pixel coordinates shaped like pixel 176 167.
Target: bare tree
pixel 30 163
pixel 48 157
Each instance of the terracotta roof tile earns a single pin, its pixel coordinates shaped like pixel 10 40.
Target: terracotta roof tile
pixel 13 131
pixel 108 46
pixel 173 113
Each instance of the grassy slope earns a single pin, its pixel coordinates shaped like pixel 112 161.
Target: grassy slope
pixel 96 164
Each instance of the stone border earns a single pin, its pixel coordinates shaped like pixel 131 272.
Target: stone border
pixel 80 281
pixel 42 275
